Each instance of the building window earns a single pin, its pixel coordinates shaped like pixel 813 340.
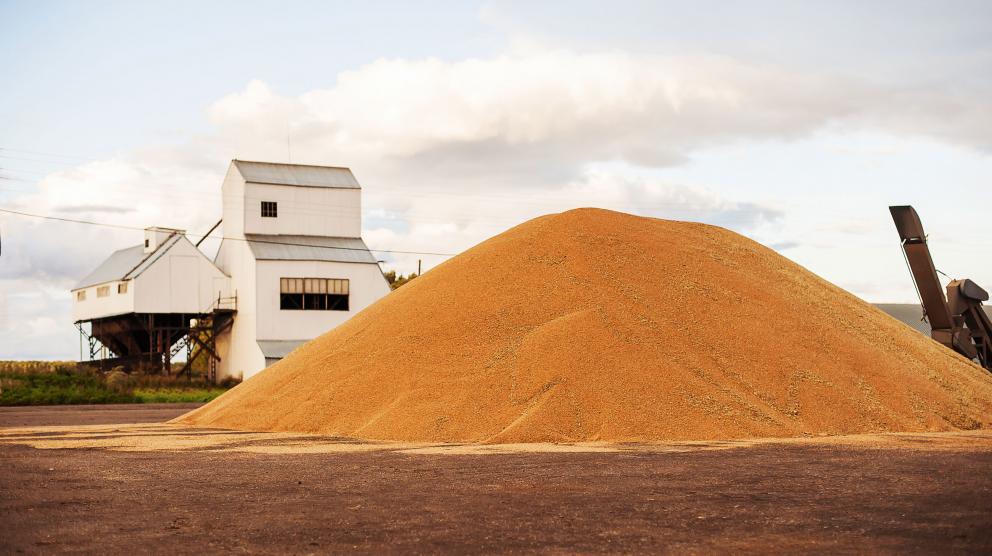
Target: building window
pixel 122 287
pixel 81 295
pixel 270 209
pixel 146 243
pixel 103 291
pixel 313 294
pixel 291 293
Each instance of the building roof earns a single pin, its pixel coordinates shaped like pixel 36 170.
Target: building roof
pixel 296 174
pixel 277 349
pixel 126 264
pixel 909 313
pixel 309 248
pixel 912 313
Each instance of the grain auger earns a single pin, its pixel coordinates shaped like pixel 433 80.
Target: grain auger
pixel 958 321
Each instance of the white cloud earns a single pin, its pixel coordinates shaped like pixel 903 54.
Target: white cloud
pixel 453 152
pixel 571 107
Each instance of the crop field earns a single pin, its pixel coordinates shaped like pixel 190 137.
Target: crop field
pixel 131 483
pixel 68 382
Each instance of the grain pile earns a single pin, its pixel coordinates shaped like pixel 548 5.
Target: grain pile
pixel 595 325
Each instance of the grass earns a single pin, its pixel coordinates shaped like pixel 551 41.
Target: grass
pixel 60 382
pixel 57 388
pixel 173 395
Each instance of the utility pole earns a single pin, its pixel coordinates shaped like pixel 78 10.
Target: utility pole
pixel 418 267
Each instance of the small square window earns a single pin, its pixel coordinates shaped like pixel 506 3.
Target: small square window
pixel 103 291
pixel 122 287
pixel 81 295
pixel 270 209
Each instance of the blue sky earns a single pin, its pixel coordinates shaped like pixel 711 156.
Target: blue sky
pixel 795 123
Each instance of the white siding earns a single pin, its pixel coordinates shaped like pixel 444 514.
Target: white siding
pixel 367 285
pixel 156 236
pixel 240 355
pixel 181 280
pixel 233 195
pixel 307 211
pixel 95 307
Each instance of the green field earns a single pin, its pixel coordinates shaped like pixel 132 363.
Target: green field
pixel 60 382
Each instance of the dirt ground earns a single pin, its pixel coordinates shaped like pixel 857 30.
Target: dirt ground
pixel 153 488
pixel 92 414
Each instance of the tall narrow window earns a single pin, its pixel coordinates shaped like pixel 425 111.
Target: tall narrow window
pixel 270 209
pixel 314 294
pixel 337 295
pixel 290 293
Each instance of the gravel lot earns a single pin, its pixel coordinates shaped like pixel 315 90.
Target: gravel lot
pixel 926 494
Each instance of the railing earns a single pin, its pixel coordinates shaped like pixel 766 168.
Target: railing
pixel 225 303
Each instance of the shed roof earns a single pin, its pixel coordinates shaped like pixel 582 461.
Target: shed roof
pixel 309 248
pixel 277 349
pixel 296 174
pixel 126 264
pixel 909 313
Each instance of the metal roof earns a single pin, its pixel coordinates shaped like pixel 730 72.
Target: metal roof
pixel 910 313
pixel 154 255
pixel 309 248
pixel 114 267
pixel 277 349
pixel 126 264
pixel 296 174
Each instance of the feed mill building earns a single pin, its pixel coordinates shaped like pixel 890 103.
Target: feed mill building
pixel 291 266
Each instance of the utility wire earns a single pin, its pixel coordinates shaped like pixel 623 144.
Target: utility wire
pixel 72 220
pixel 44 154
pixel 124 227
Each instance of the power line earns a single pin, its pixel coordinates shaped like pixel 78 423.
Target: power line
pixel 551 200
pixel 124 227
pixel 44 154
pixel 39 160
pixel 546 204
pixel 72 220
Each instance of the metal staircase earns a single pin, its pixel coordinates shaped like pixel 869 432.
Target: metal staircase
pixel 149 342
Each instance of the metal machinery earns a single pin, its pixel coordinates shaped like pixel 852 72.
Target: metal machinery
pixel 957 321
pixel 150 341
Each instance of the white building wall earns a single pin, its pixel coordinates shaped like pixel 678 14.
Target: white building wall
pixel 233 199
pixel 308 211
pixel 156 236
pixel 367 285
pixel 181 280
pixel 239 352
pixel 96 307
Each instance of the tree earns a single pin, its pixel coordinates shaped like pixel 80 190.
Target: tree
pixel 396 280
